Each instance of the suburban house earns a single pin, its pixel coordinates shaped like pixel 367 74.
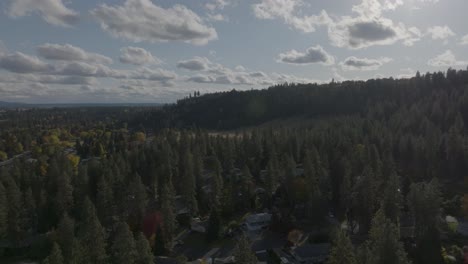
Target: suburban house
pixel 311 253
pixel 257 222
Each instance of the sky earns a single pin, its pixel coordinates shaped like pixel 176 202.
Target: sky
pixel 158 51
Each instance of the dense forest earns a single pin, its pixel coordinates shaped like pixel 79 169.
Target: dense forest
pixel 375 168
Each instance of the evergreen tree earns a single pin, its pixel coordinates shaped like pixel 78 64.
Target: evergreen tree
pixel 55 256
pixel 188 185
pixel 342 251
pixel 64 197
pixel 159 242
pixel 66 237
pixel 3 212
pixel 13 195
pixel 29 218
pixel 364 201
pixel 383 245
pixel 424 201
pixel 243 254
pixel 214 226
pixel 167 210
pixel 104 201
pixel 144 254
pixel 92 235
pixel 392 198
pixel 123 250
pixel 137 198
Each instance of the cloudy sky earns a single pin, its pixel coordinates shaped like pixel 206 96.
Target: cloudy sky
pixel 72 51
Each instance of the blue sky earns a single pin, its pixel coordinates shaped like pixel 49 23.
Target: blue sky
pixel 72 51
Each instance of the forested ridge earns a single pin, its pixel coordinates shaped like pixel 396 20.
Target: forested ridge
pixel 364 161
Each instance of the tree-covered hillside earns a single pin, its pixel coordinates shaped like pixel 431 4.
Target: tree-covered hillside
pixel 372 168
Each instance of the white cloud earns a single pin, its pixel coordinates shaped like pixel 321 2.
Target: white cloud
pixel 446 59
pixel 215 73
pixel 216 17
pixel 314 54
pixel 137 56
pixel 141 20
pixel 361 32
pixel 464 40
pixel 439 32
pixel 287 10
pixel 217 5
pixel 195 64
pixel 363 64
pixel 77 71
pixel 69 52
pixel 52 11
pixel 22 63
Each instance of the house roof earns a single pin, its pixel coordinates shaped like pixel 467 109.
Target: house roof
pixel 312 250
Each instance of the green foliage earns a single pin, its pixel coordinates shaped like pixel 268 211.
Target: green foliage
pixel 342 251
pixel 242 253
pixel 91 235
pixel 55 256
pixel 3 212
pixel 144 254
pixel 214 226
pixel 383 245
pixel 65 237
pixel 123 249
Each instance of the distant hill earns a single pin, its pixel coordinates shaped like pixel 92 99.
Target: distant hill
pixel 236 109
pixel 4 104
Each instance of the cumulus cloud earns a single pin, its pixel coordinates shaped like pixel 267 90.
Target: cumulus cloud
pixel 195 64
pixel 215 73
pixel 287 11
pixel 217 4
pixel 446 59
pixel 137 56
pixel 216 17
pixel 21 63
pixel 52 11
pixel 439 32
pixel 141 20
pixel 314 54
pixel 464 40
pixel 32 69
pixel 69 52
pixel 363 64
pixel 360 32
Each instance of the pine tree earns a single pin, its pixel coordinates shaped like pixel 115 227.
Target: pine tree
pixel 137 198
pixel 364 201
pixel 243 254
pixel 342 251
pixel 214 226
pixel 167 209
pixel 144 256
pixel 392 198
pixel 3 212
pixel 188 185
pixel 104 201
pixel 28 213
pixel 66 237
pixel 91 235
pixel 424 201
pixel 55 256
pixel 123 250
pixel 383 245
pixel 272 176
pixel 217 184
pixel 159 242
pixel 13 195
pixel 64 198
